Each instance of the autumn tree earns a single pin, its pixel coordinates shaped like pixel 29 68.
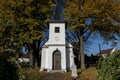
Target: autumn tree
pixel 104 15
pixel 74 38
pixel 21 22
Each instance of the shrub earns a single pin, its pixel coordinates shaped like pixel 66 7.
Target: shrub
pixel 110 67
pixel 24 64
pixel 9 67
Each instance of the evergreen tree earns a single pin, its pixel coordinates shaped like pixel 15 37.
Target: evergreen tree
pixel 110 67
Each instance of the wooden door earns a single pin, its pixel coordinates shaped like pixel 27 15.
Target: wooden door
pixel 56 60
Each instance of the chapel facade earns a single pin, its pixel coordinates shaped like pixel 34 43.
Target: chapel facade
pixel 57 52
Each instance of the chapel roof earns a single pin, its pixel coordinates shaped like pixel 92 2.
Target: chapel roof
pixel 57 21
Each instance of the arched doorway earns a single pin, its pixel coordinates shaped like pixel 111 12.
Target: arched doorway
pixel 56 60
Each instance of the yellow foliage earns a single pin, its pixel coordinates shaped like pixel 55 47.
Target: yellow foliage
pixel 20 18
pixel 88 74
pixel 80 12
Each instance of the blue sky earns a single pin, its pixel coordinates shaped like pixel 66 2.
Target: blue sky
pixel 94 47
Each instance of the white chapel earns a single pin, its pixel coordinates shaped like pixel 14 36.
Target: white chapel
pixel 57 52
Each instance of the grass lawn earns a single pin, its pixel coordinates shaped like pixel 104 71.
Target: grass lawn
pixel 87 74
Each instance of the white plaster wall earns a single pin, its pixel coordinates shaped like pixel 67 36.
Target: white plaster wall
pixel 43 58
pixel 52 33
pixel 113 51
pixel 47 59
pixel 68 44
pixel 23 60
pixel 104 55
pixel 70 55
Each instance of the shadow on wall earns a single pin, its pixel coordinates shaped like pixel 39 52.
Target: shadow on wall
pixel 68 58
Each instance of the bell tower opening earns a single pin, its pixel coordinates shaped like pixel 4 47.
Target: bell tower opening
pixel 57 29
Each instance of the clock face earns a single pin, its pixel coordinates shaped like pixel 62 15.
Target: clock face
pixel 57 38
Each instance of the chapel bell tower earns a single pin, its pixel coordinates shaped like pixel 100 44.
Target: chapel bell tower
pixel 57 33
pixel 57 45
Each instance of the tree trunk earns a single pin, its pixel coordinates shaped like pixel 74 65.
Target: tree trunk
pixel 32 55
pixel 82 51
pixel 37 57
pixel 31 58
pixel 79 59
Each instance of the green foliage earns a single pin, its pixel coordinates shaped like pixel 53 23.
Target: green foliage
pixel 103 13
pixel 21 21
pixel 99 63
pixel 24 64
pixel 9 67
pixel 110 67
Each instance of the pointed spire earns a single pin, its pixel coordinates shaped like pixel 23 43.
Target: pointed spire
pixel 57 11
